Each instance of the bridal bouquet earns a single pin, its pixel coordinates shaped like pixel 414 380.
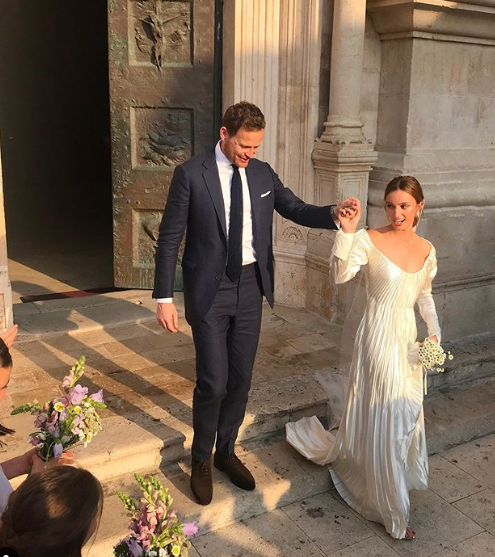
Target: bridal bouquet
pixel 67 420
pixel 155 530
pixel 429 355
pixel 432 355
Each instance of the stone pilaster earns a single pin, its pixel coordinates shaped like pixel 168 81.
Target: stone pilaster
pixel 299 59
pixel 251 62
pixel 436 118
pixel 6 316
pixel 272 58
pixel 342 157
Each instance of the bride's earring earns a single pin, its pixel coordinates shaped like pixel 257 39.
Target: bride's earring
pixel 418 217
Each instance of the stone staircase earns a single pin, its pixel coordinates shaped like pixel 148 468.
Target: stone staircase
pixel 459 407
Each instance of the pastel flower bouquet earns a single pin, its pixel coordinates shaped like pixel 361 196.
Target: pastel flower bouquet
pixel 67 420
pixel 155 530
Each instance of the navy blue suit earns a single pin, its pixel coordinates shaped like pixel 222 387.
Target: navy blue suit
pixel 225 317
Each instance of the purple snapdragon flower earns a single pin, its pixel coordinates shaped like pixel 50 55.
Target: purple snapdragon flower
pixel 41 420
pixel 190 528
pixel 77 394
pixel 98 396
pixel 134 547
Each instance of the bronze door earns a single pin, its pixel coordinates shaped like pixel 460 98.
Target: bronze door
pixel 162 102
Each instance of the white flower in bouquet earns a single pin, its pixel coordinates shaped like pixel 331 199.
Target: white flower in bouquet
pixel 433 356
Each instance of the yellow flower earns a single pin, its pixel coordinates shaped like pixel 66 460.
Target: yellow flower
pixel 89 436
pixel 451 357
pixel 78 410
pixel 175 550
pixel 59 406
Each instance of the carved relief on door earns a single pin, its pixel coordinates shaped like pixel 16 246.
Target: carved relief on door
pixel 161 60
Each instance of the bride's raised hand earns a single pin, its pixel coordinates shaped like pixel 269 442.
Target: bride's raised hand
pixel 349 214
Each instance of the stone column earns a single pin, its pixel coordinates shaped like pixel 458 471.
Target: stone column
pixel 6 316
pixel 342 156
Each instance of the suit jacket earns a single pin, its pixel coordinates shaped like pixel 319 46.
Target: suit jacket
pixel 195 202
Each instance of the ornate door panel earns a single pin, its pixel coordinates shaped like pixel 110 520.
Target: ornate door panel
pixel 161 58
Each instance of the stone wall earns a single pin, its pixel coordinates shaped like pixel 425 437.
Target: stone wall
pixel 436 121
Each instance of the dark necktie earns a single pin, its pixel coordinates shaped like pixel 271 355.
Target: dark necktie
pixel 234 256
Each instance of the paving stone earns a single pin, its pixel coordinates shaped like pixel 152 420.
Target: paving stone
pixel 21 309
pixel 477 458
pixel 480 508
pixel 371 547
pixel 482 545
pixel 282 477
pixel 438 525
pixel 272 535
pixel 281 349
pixel 328 523
pixel 450 482
pixel 310 343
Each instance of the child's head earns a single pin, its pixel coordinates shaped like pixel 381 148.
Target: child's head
pixel 52 513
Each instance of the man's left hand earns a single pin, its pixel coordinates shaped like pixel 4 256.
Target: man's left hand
pixel 349 206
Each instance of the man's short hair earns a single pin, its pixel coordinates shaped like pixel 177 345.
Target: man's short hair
pixel 243 115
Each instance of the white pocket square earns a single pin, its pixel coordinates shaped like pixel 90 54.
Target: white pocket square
pixel 266 193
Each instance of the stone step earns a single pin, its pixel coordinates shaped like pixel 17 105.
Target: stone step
pixel 474 359
pixel 460 415
pixel 140 441
pixel 283 476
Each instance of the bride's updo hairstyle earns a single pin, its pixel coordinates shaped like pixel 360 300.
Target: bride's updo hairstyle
pixel 410 185
pixel 53 513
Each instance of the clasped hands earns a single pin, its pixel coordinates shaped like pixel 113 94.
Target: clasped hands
pixel 348 212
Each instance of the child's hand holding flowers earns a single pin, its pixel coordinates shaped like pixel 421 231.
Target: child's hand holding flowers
pixel 67 420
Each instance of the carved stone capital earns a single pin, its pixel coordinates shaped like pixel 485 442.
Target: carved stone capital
pixel 342 156
pixel 444 20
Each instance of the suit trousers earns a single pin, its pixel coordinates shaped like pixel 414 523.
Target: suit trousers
pixel 226 341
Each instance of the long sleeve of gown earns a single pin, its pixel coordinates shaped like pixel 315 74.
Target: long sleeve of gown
pixel 350 252
pixel 425 301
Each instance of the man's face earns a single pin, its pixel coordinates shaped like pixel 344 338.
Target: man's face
pixel 241 147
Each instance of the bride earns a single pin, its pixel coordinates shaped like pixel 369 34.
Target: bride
pixel 379 452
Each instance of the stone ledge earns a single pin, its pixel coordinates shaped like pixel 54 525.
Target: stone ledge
pixel 474 359
pixel 436 20
pixel 459 416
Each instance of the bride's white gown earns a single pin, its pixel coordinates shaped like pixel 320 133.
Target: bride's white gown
pixel 379 452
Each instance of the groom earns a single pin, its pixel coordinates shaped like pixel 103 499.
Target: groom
pixel 226 199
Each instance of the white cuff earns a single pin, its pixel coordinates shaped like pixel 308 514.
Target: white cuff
pixel 343 244
pixel 164 300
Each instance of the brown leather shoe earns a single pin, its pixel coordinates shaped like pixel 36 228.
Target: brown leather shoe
pixel 239 475
pixel 201 482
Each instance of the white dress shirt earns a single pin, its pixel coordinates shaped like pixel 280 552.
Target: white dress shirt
pixel 225 172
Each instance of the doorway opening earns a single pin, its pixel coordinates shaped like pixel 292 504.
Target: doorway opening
pixel 55 142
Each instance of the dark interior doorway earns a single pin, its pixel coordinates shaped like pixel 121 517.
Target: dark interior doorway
pixel 55 139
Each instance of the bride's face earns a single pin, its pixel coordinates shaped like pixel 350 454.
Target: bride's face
pixel 401 209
